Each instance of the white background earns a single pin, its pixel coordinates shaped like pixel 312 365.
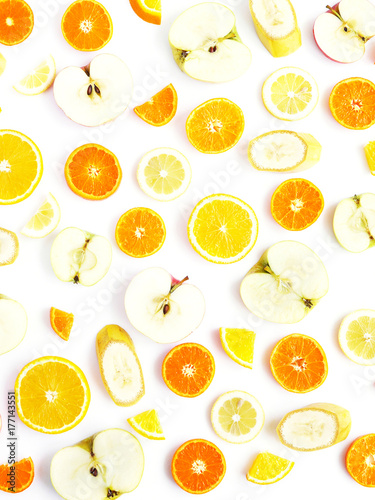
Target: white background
pixel 342 172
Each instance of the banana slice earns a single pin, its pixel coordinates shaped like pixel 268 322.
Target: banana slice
pixel 119 366
pixel 284 151
pixel 276 25
pixel 314 427
pixel 354 222
pixel 8 247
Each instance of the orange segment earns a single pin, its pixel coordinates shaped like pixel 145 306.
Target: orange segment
pixel 296 204
pixel 16 21
pixel 360 460
pixel 148 10
pixel 352 103
pixel 52 395
pixel 160 109
pixel 86 25
pixel 198 466
pixel 299 363
pixel 140 232
pixel 61 322
pixel 215 126
pixel 188 370
pixel 93 172
pixel 17 479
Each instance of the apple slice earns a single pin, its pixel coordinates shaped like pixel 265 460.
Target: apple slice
pixel 96 93
pixel 206 45
pixel 162 308
pixel 119 366
pixel 13 324
pixel 275 22
pixel 9 247
pixel 342 32
pixel 286 283
pixel 106 465
pixel 81 257
pixel 354 222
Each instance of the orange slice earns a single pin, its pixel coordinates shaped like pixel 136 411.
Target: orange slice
pixel 352 103
pixel 148 10
pixel 198 466
pixel 188 370
pixel 160 109
pixel 16 21
pixel 18 478
pixel 360 459
pixel 296 204
pixel 93 172
pixel 299 363
pixel 61 322
pixel 140 232
pixel 215 126
pixel 52 395
pixel 86 25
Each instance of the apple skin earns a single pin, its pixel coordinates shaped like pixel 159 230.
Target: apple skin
pixel 25 320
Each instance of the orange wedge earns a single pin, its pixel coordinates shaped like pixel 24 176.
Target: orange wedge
pixel 160 109
pixel 61 322
pixel 21 474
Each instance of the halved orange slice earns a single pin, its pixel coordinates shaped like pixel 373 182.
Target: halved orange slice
pixel 215 126
pixel 198 466
pixel 18 478
pixel 140 232
pixel 352 103
pixel 16 21
pixel 93 172
pixel 160 109
pixel 188 370
pixel 61 322
pixel 86 25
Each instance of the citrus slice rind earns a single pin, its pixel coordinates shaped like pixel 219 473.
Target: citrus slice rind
pixel 290 94
pixel 164 174
pixel 268 469
pixel 237 417
pixel 208 230
pixel 357 336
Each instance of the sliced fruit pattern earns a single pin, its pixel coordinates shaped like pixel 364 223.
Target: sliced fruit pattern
pixel 52 394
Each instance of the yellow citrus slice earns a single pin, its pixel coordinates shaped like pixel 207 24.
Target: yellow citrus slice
pixel 52 395
pixel 222 228
pixel 237 417
pixel 238 343
pixel 164 174
pixel 147 424
pixel 45 220
pixel 290 94
pixel 268 468
pixel 3 63
pixel 357 336
pixel 370 156
pixel 148 10
pixel 39 80
pixel 21 167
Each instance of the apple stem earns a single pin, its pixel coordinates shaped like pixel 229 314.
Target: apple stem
pixel 333 11
pixel 179 283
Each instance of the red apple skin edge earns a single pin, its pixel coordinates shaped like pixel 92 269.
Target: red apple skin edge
pixel 335 8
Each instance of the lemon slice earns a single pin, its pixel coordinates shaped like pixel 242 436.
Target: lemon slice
pixel 237 417
pixel 222 228
pixel 164 174
pixel 370 156
pixel 357 336
pixel 45 220
pixel 147 424
pixel 238 343
pixel 3 63
pixel 290 94
pixel 39 80
pixel 268 468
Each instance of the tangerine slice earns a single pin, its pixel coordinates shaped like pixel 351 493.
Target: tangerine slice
pixel 16 21
pixel 21 474
pixel 360 459
pixel 299 363
pixel 160 109
pixel 296 204
pixel 61 322
pixel 198 466
pixel 188 370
